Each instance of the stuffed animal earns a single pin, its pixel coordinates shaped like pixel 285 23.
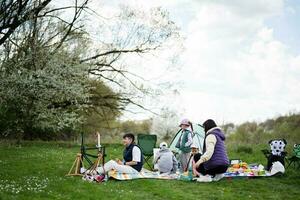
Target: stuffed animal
pixel 277 146
pixel 297 150
pixel 277 152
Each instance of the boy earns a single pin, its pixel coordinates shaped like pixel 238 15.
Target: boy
pixel 165 161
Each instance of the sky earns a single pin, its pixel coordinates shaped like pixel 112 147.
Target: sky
pixel 241 60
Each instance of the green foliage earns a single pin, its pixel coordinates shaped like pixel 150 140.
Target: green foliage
pixel 136 127
pixel 46 97
pixel 244 149
pixel 103 109
pixel 287 127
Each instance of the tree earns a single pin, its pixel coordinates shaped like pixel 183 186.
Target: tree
pixel 16 13
pixel 50 82
pixel 136 127
pixel 132 33
pixel 44 94
pixel 166 124
pixel 103 108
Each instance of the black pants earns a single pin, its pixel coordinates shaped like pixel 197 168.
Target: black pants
pixel 217 170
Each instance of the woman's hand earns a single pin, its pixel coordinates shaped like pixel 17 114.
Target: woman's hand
pixel 197 164
pixel 119 162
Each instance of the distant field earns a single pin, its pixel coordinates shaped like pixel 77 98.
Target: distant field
pixel 36 170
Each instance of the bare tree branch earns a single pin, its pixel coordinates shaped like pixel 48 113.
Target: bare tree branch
pixel 115 51
pixel 77 13
pixel 17 20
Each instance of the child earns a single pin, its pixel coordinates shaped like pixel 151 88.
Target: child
pixel 191 163
pixel 165 161
pixel 184 143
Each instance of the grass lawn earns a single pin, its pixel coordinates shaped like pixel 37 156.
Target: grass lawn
pixel 36 170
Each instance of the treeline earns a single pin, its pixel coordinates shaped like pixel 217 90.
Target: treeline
pixel 287 127
pixel 115 130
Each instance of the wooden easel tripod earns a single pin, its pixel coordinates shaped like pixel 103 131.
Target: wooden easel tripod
pixel 83 155
pixel 75 169
pixel 94 167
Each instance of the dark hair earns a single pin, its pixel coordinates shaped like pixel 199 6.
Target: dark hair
pixel 209 124
pixel 129 135
pixel 191 125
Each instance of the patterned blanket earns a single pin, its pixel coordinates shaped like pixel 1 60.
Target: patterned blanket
pixel 143 174
pixel 146 174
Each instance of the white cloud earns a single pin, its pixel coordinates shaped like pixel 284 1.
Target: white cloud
pixel 237 70
pixel 233 68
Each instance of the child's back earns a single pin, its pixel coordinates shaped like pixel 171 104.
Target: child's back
pixel 166 161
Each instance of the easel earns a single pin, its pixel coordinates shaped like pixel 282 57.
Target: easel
pixel 78 163
pixel 94 167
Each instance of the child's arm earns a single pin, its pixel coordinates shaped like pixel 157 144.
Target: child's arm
pixel 157 155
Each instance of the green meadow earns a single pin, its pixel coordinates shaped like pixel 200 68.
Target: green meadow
pixel 36 170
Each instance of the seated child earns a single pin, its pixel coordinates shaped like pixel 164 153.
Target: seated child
pixel 165 160
pixel 194 152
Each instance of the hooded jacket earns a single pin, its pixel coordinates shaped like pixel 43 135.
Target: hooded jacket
pixel 166 161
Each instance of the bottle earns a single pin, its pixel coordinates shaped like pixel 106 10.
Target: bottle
pixel 190 172
pixel 179 167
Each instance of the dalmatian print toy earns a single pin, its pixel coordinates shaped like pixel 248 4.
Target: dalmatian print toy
pixel 277 146
pixel 277 152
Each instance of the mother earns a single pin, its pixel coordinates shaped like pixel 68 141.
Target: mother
pixel 214 160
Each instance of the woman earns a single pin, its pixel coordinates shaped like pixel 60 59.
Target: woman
pixel 132 158
pixel 214 160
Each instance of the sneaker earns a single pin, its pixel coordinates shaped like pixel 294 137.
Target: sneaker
pixel 217 177
pixel 206 178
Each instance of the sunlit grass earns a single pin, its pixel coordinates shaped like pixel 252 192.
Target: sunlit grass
pixel 36 170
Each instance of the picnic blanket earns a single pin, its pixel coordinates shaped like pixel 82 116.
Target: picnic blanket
pixel 245 175
pixel 143 174
pixel 146 174
pixel 240 170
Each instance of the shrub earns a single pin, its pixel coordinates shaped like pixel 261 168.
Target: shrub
pixel 244 149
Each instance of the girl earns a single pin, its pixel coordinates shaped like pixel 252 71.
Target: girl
pixel 184 143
